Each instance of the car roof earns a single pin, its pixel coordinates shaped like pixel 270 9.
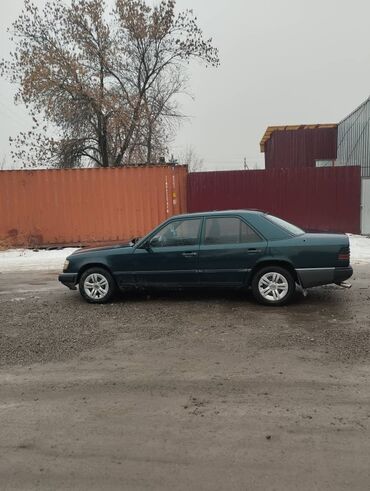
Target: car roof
pixel 221 212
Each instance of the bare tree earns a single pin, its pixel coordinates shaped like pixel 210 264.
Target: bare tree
pixel 3 163
pixel 160 118
pixel 104 83
pixel 191 159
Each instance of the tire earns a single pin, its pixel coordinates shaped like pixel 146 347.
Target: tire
pixel 281 281
pixel 103 286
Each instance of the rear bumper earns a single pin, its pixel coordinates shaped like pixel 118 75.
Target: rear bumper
pixel 69 280
pixel 310 277
pixel 342 274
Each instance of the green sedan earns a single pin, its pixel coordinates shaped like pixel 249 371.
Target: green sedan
pixel 242 248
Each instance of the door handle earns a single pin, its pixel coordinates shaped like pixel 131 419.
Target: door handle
pixel 252 250
pixel 189 254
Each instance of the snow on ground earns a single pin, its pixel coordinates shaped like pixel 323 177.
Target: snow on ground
pixel 24 259
pixel 28 260
pixel 360 249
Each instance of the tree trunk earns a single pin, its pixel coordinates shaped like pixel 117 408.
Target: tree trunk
pixel 103 141
pixel 149 145
pixel 130 132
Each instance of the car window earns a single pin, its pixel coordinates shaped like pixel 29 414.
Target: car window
pixel 228 230
pixel 289 227
pixel 178 233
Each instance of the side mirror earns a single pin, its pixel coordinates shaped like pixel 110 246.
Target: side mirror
pixel 154 242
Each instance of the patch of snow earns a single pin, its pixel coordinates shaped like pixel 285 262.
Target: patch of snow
pixel 360 249
pixel 29 260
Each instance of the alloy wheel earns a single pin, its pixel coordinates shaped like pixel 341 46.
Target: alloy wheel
pixel 273 286
pixel 96 286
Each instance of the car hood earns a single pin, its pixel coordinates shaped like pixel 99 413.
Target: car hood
pixel 104 248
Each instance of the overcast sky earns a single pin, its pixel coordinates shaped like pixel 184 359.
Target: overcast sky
pixel 282 62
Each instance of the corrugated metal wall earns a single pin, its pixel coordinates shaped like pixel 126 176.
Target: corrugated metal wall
pixel 300 148
pixel 106 205
pixel 326 199
pixel 87 205
pixel 354 139
pixel 365 208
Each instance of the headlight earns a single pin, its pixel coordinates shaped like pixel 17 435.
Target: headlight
pixel 66 264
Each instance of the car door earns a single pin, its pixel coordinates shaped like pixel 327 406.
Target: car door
pixel 228 251
pixel 170 257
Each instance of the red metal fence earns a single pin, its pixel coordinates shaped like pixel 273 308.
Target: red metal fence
pixel 326 199
pixel 87 205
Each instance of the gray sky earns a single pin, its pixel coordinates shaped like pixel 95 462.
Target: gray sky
pixel 282 62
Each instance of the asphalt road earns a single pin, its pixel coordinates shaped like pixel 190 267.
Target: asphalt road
pixel 179 391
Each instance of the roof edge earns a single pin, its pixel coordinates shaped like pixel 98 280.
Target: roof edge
pixel 355 110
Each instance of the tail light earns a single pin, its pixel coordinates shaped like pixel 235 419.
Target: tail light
pixel 344 254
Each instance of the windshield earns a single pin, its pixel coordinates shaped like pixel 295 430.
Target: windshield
pixel 289 227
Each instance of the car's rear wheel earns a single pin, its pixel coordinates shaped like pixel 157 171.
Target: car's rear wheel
pixel 97 285
pixel 273 285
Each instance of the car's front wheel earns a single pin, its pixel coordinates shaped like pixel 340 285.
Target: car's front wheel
pixel 273 285
pixel 97 285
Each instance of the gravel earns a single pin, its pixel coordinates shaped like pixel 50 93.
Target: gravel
pixel 60 325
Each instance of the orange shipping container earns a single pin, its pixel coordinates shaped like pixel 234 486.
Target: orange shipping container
pixel 85 206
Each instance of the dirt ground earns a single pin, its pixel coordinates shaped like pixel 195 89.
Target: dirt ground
pixel 180 391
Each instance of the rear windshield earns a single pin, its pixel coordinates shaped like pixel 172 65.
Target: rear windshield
pixel 289 227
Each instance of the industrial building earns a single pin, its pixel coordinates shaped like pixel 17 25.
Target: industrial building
pixel 353 146
pixel 299 146
pixel 346 143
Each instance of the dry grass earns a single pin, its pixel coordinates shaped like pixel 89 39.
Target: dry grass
pixel 6 244
pixel 19 241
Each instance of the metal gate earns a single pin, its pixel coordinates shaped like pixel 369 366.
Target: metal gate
pixel 365 206
pixel 316 199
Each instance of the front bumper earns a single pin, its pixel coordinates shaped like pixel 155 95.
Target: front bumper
pixel 310 277
pixel 69 280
